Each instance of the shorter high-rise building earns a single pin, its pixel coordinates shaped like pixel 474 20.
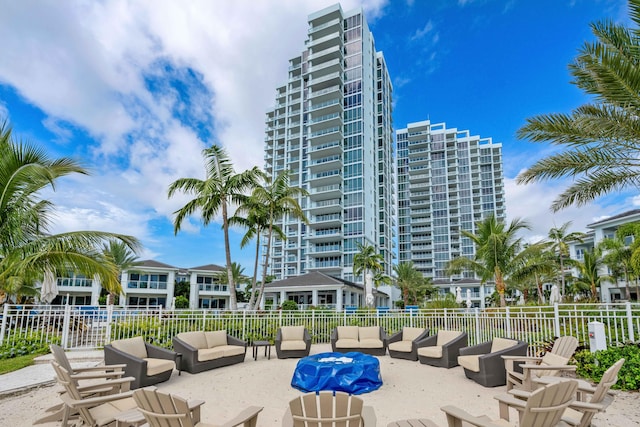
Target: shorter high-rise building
pixel 448 180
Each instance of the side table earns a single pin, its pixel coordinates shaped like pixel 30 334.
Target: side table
pixel 257 345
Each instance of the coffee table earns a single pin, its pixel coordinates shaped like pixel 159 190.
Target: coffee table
pixel 256 347
pixel 352 372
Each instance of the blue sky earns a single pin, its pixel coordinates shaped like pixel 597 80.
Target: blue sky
pixel 137 89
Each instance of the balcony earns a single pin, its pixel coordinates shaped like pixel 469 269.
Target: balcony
pixel 334 52
pixel 323 207
pixel 324 94
pixel 326 191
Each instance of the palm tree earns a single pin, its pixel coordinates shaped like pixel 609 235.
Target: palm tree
pixel 364 262
pixel 598 142
pixel 279 200
pixel 589 269
pixel 27 248
pixel 498 252
pixel 560 241
pixel 237 273
pixel 122 256
pixel 408 280
pixel 538 266
pixel 221 187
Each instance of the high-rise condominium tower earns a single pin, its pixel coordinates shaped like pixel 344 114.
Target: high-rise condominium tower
pixel 331 129
pixel 448 180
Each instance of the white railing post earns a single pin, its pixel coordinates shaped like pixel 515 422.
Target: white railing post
pixel 5 319
pixel 556 319
pixel 507 319
pixel 629 322
pixel 313 322
pixel 107 334
pixel 477 328
pixel 446 320
pixel 244 325
pixel 204 319
pixel 65 326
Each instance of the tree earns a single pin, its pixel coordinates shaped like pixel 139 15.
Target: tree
pixel 617 256
pixel 408 278
pixel 498 252
pixel 560 241
pixel 364 262
pixel 598 142
pixel 221 187
pixel 537 266
pixel 589 269
pixel 122 256
pixel 27 248
pixel 238 277
pixel 279 199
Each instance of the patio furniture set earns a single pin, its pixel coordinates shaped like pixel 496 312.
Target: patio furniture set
pixel 107 394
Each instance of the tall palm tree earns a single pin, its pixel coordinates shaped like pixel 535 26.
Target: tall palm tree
pixel 366 261
pixel 560 240
pixel 213 195
pixel 498 252
pixel 538 266
pixel 599 142
pixel 589 271
pixel 122 256
pixel 279 200
pixel 27 248
pixel 238 275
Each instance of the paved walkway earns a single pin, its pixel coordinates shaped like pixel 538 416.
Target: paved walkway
pixel 41 373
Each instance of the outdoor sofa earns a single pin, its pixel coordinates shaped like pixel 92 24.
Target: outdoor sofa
pixel 365 339
pixel 202 350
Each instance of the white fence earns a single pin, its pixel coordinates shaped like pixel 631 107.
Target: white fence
pixel 91 327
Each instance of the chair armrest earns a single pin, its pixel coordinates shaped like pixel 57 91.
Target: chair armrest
pixel 112 368
pixel 94 401
pixel 549 367
pixel 231 340
pixel 127 358
pixel 395 337
pixel 244 417
pixel 278 336
pixel 156 352
pixel 121 384
pixel 482 348
pixel 428 341
pixel 587 406
pixel 454 413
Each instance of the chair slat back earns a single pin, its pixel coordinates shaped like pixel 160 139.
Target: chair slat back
pixel 609 378
pixel 163 410
pixel 565 346
pixel 64 379
pixel 545 405
pixel 325 409
pixel 61 357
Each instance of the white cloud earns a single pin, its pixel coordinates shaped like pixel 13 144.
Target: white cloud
pixel 421 32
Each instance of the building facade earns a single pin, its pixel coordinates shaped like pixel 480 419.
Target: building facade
pixel 448 180
pixel 331 129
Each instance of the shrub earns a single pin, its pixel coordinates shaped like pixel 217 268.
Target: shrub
pixel 182 302
pixel 289 305
pixel 592 365
pixel 31 343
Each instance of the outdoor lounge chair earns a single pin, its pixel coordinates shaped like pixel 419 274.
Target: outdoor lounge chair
pixel 483 363
pixel 403 344
pixel 591 400
pixel 292 341
pixel 166 410
pixel 94 410
pixel 90 376
pixel 543 408
pixel 147 363
pixel 442 349
pixel 522 371
pixel 328 408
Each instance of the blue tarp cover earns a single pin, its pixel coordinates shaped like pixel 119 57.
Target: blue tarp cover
pixel 353 373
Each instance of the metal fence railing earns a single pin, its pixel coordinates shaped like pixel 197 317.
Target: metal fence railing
pixel 91 327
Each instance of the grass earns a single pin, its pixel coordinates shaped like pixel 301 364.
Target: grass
pixel 15 363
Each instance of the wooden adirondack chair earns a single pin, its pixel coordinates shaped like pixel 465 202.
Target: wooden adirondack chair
pixel 166 410
pixel 93 410
pixel 543 408
pixel 522 371
pixel 328 409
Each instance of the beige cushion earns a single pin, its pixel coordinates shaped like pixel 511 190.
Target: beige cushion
pixel 371 343
pixel 216 338
pixel 402 346
pixel 470 362
pixel 500 344
pixel 347 343
pixel 434 351
pixel 348 332
pixel 158 366
pixel 205 354
pixel 293 345
pixel 232 350
pixel 195 339
pixel 104 414
pixel 369 332
pixel 447 336
pixel 292 333
pixel 133 346
pixel 410 334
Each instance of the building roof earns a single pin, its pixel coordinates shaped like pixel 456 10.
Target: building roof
pixel 315 278
pixel 208 267
pixel 152 263
pixel 613 218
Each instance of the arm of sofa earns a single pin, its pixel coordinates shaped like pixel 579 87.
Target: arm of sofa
pixel 395 337
pixel 307 339
pixel 451 350
pixel 189 354
pixel 384 337
pixel 493 361
pixel 236 341
pixel 156 352
pixel 333 338
pixel 427 341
